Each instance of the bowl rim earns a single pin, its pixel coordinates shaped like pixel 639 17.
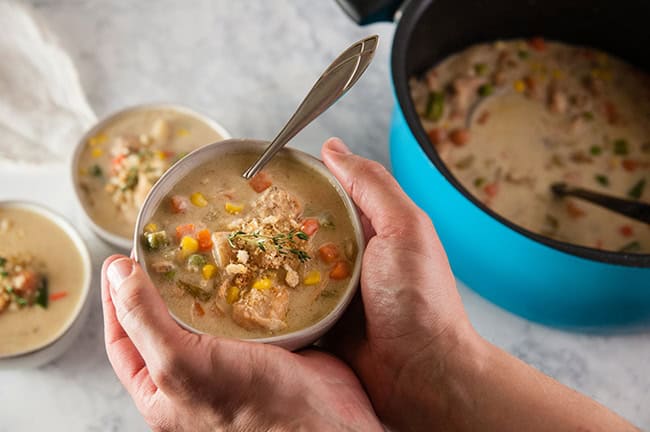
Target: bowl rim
pixel 106 235
pixel 401 40
pixel 202 155
pixel 81 247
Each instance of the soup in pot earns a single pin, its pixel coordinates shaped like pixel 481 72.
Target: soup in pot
pixel 511 118
pixel 251 259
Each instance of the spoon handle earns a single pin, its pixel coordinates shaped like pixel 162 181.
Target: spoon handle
pixel 337 79
pixel 633 209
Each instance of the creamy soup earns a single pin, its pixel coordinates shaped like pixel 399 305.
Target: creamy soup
pixel 41 280
pixel 251 259
pixel 120 164
pixel 511 118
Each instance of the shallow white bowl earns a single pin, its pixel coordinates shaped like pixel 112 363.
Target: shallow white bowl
pixel 53 348
pixel 110 237
pixel 189 163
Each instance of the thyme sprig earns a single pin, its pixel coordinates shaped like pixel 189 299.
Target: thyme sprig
pixel 284 243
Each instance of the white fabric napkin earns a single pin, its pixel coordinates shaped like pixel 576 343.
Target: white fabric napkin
pixel 43 109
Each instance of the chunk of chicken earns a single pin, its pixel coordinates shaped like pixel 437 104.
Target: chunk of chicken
pixel 221 250
pixel 26 283
pixel 277 202
pixel 292 277
pixel 262 309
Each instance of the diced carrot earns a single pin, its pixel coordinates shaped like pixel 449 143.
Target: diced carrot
pixel 341 270
pixel 611 112
pixel 436 135
pixel 629 164
pixel 310 226
pixel 205 240
pixel 459 136
pixel 178 204
pixel 260 182
pixel 574 211
pixel 626 231
pixel 491 189
pixel 118 159
pixel 58 295
pixel 537 43
pixel 328 252
pixel 198 309
pixel 184 230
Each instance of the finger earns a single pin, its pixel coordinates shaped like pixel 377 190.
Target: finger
pixel 127 362
pixel 372 188
pixel 144 317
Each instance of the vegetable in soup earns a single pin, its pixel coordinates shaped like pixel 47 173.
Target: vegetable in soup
pixel 120 164
pixel 251 259
pixel 511 118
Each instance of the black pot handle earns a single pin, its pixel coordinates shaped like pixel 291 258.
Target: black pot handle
pixel 370 11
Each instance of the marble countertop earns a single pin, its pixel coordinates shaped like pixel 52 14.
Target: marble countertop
pixel 248 64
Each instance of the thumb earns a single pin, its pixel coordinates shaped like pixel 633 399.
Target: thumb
pixel 141 312
pixel 372 188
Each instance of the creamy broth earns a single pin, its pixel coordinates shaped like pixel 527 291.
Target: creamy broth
pixel 23 232
pixel 230 207
pixel 511 118
pixel 120 164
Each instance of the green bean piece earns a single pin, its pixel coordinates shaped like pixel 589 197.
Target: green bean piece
pixel 194 291
pixel 435 106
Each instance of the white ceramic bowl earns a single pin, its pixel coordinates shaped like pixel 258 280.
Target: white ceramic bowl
pixel 163 187
pixel 112 238
pixel 51 349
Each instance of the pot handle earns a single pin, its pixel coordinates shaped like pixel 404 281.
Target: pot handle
pixel 370 11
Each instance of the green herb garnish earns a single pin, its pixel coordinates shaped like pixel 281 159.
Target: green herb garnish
pixel 282 242
pixel 633 246
pixel 131 179
pixel 603 180
pixel 42 295
pixel 96 171
pixel 621 147
pixel 595 150
pixel 479 181
pixel 435 106
pixel 302 236
pixel 485 90
pixel 637 189
pixel 480 69
pixel 194 291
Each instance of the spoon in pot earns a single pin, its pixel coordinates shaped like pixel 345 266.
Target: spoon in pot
pixel 337 79
pixel 631 208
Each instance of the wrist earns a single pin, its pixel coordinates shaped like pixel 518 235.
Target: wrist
pixel 431 384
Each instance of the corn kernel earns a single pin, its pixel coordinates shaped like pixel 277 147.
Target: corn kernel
pixel 520 86
pixel 198 199
pixel 181 132
pixel 262 284
pixel 189 245
pixel 161 155
pixel 232 295
pixel 83 171
pixel 208 271
pixel 97 140
pixel 97 152
pixel 312 278
pixel 233 208
pixel 151 227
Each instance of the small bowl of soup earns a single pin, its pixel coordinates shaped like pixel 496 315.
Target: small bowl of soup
pixel 43 295
pixel 117 162
pixel 275 259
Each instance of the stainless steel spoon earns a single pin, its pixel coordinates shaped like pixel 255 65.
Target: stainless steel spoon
pixel 337 79
pixel 630 208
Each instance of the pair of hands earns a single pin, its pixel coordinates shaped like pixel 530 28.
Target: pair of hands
pixel 403 328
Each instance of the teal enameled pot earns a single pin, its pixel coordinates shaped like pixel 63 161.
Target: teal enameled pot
pixel 544 280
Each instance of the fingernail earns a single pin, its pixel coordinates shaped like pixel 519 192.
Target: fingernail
pixel 335 145
pixel 118 271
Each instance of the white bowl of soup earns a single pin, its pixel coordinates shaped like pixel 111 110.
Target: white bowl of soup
pixel 275 259
pixel 45 274
pixel 117 162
